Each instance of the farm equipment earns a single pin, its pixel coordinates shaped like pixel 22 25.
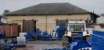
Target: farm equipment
pixel 77 36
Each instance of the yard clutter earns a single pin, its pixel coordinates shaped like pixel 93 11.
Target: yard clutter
pixel 8 34
pixel 38 35
pixel 33 35
pixel 45 36
pixel 21 39
pixel 7 44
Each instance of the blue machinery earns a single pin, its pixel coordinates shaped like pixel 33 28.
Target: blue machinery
pixel 77 36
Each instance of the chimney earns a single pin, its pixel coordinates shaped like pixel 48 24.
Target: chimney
pixel 6 11
pixel 102 14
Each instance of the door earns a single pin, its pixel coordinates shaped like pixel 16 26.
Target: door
pixel 29 25
pixel 62 24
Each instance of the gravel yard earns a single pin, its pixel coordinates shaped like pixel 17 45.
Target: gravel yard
pixel 41 45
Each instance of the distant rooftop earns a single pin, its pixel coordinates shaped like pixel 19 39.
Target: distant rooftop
pixel 50 9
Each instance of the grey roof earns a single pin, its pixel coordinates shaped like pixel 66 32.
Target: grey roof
pixel 49 9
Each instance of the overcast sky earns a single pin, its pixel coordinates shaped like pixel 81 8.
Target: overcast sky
pixel 90 5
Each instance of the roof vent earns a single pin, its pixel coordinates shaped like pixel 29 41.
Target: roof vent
pixel 6 11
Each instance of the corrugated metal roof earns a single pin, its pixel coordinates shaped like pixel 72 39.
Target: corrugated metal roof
pixel 49 9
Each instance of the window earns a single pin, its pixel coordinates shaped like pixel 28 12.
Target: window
pixel 76 27
pixel 61 22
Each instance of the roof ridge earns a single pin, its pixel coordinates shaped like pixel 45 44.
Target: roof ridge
pixel 54 3
pixel 56 8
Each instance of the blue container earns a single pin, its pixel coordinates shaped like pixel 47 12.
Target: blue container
pixel 45 36
pixel 60 32
pixel 2 35
pixel 33 35
pixel 29 37
pixel 98 40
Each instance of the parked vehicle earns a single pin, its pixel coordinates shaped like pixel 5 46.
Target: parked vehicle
pixel 76 32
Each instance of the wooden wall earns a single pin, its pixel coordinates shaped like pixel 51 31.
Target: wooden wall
pixel 46 23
